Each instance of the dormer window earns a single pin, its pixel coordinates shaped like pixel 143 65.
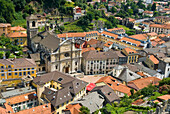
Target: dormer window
pixel 60 79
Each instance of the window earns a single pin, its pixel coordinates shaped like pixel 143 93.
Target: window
pixel 2 70
pixel 3 28
pixel 24 69
pixel 32 72
pixel 19 69
pixel 29 72
pixel 21 39
pixel 16 73
pixel 33 24
pixel 15 69
pixel 60 79
pixel 66 54
pixel 9 66
pixel 28 68
pixel 2 66
pixel 24 73
pixel 21 43
pixel 9 74
pixel 2 74
pixel 20 74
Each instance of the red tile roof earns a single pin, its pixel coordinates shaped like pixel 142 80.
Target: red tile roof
pixel 110 34
pixel 87 49
pixel 129 51
pixel 152 34
pixel 5 24
pixel 143 82
pixel 80 34
pixel 166 26
pixel 18 28
pixel 138 102
pixel 131 40
pixel 154 59
pixel 148 12
pixel 17 35
pixel 108 44
pixel 42 109
pixel 21 98
pixel 73 108
pixel 140 36
pixel 115 85
pixel 164 97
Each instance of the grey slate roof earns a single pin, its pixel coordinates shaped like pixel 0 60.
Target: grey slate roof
pixel 16 92
pixel 127 75
pixel 92 101
pixel 70 87
pixel 145 69
pixel 96 55
pixel 107 93
pixel 51 42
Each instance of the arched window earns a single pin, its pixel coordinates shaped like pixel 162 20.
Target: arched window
pixel 33 24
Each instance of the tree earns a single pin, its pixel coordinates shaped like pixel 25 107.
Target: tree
pixel 149 7
pixel 7 10
pixel 153 7
pixel 19 5
pixel 156 13
pixel 7 54
pixel 130 11
pixel 84 110
pixel 113 10
pixel 132 91
pixel 113 20
pixel 148 90
pixel 165 81
pixel 108 25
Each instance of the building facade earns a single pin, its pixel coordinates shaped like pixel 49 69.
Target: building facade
pixel 94 62
pixel 17 68
pixel 164 66
pixel 5 28
pixel 158 28
pixel 19 38
pixel 60 89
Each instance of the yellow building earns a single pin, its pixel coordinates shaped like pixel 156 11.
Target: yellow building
pixel 131 54
pixel 18 29
pixel 20 37
pixel 59 89
pixel 152 62
pixel 5 28
pixel 17 68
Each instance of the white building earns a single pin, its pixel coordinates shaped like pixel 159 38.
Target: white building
pixel 164 66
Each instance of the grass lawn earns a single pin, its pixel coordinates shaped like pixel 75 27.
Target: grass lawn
pixel 124 27
pixel 102 19
pixel 69 4
pixel 73 27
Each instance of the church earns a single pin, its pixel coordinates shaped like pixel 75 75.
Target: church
pixel 55 53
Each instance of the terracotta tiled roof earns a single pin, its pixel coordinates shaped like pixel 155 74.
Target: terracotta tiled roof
pixel 108 44
pixel 166 26
pixel 73 108
pixel 161 35
pixel 153 59
pixel 131 40
pixel 92 32
pixel 18 28
pixel 152 34
pixel 154 43
pixel 141 74
pixel 143 82
pixel 92 41
pixel 164 97
pixel 115 85
pixel 17 34
pixel 114 29
pixel 140 36
pixel 4 24
pixel 42 109
pixel 110 34
pixel 82 34
pixel 131 20
pixel 87 49
pixel 6 109
pixel 138 102
pixel 148 12
pixel 128 50
pixel 156 101
pixel 21 98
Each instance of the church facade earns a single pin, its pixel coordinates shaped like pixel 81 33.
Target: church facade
pixel 57 54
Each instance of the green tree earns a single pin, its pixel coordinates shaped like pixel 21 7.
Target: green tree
pixel 149 7
pixel 156 13
pixel 19 5
pixel 7 54
pixel 153 7
pixel 7 10
pixel 113 20
pixel 165 81
pixel 132 91
pixel 130 11
pixel 108 25
pixel 84 110
pixel 113 10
